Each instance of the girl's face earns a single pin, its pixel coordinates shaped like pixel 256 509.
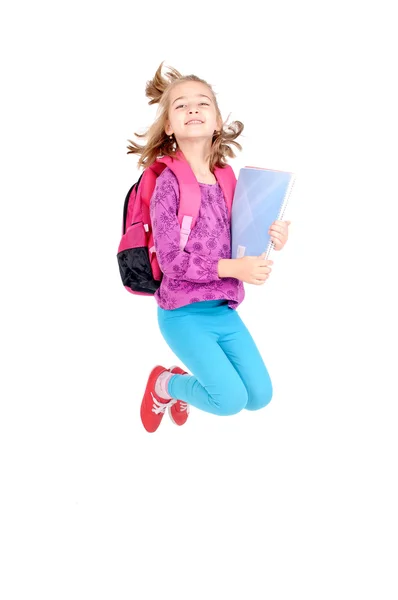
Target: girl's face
pixel 191 101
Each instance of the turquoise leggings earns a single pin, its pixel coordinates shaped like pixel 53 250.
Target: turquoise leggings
pixel 214 344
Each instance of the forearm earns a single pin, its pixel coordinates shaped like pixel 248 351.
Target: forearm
pixel 226 267
pixel 185 266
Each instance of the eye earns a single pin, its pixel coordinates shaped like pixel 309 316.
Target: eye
pixel 179 106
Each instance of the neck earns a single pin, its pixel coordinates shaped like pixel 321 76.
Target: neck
pixel 196 153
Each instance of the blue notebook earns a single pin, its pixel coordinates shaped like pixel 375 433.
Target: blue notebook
pixel 260 198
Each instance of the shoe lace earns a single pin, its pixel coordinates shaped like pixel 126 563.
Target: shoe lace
pixel 160 407
pixel 183 405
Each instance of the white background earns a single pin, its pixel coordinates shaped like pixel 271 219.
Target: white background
pixel 295 501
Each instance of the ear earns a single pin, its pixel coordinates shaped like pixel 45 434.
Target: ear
pixel 167 128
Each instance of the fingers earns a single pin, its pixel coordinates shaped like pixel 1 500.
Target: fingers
pixel 279 227
pixel 266 268
pixel 283 223
pixel 261 280
pixel 277 236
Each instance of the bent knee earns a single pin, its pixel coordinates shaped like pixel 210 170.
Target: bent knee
pixel 259 399
pixel 233 403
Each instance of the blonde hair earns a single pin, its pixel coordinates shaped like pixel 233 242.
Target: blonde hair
pixel 158 142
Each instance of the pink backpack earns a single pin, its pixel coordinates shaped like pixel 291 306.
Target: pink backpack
pixel 138 265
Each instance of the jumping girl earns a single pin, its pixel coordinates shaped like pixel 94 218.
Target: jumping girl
pixel 202 286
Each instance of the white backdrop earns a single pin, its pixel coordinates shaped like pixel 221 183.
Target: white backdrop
pixel 295 501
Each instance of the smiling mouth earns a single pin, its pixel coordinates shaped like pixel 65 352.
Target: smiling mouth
pixel 194 122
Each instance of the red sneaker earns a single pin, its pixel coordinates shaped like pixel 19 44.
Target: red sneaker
pixel 152 406
pixel 178 410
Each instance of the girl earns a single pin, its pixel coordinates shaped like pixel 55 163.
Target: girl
pixel 201 286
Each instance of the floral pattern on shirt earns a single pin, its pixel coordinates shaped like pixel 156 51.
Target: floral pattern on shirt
pixel 191 275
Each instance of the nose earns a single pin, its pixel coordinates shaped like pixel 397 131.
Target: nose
pixel 191 109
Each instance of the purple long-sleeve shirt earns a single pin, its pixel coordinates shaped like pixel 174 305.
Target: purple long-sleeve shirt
pixel 191 275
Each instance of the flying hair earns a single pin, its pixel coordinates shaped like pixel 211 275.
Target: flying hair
pixel 158 90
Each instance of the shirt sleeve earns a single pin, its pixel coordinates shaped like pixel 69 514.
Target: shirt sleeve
pixel 175 263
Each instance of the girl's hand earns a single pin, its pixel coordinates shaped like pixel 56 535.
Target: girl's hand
pixel 252 269
pixel 279 233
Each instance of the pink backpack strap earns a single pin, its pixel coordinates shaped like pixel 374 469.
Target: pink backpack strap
pixel 190 197
pixel 227 180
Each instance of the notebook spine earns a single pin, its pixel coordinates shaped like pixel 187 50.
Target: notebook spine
pixel 271 244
